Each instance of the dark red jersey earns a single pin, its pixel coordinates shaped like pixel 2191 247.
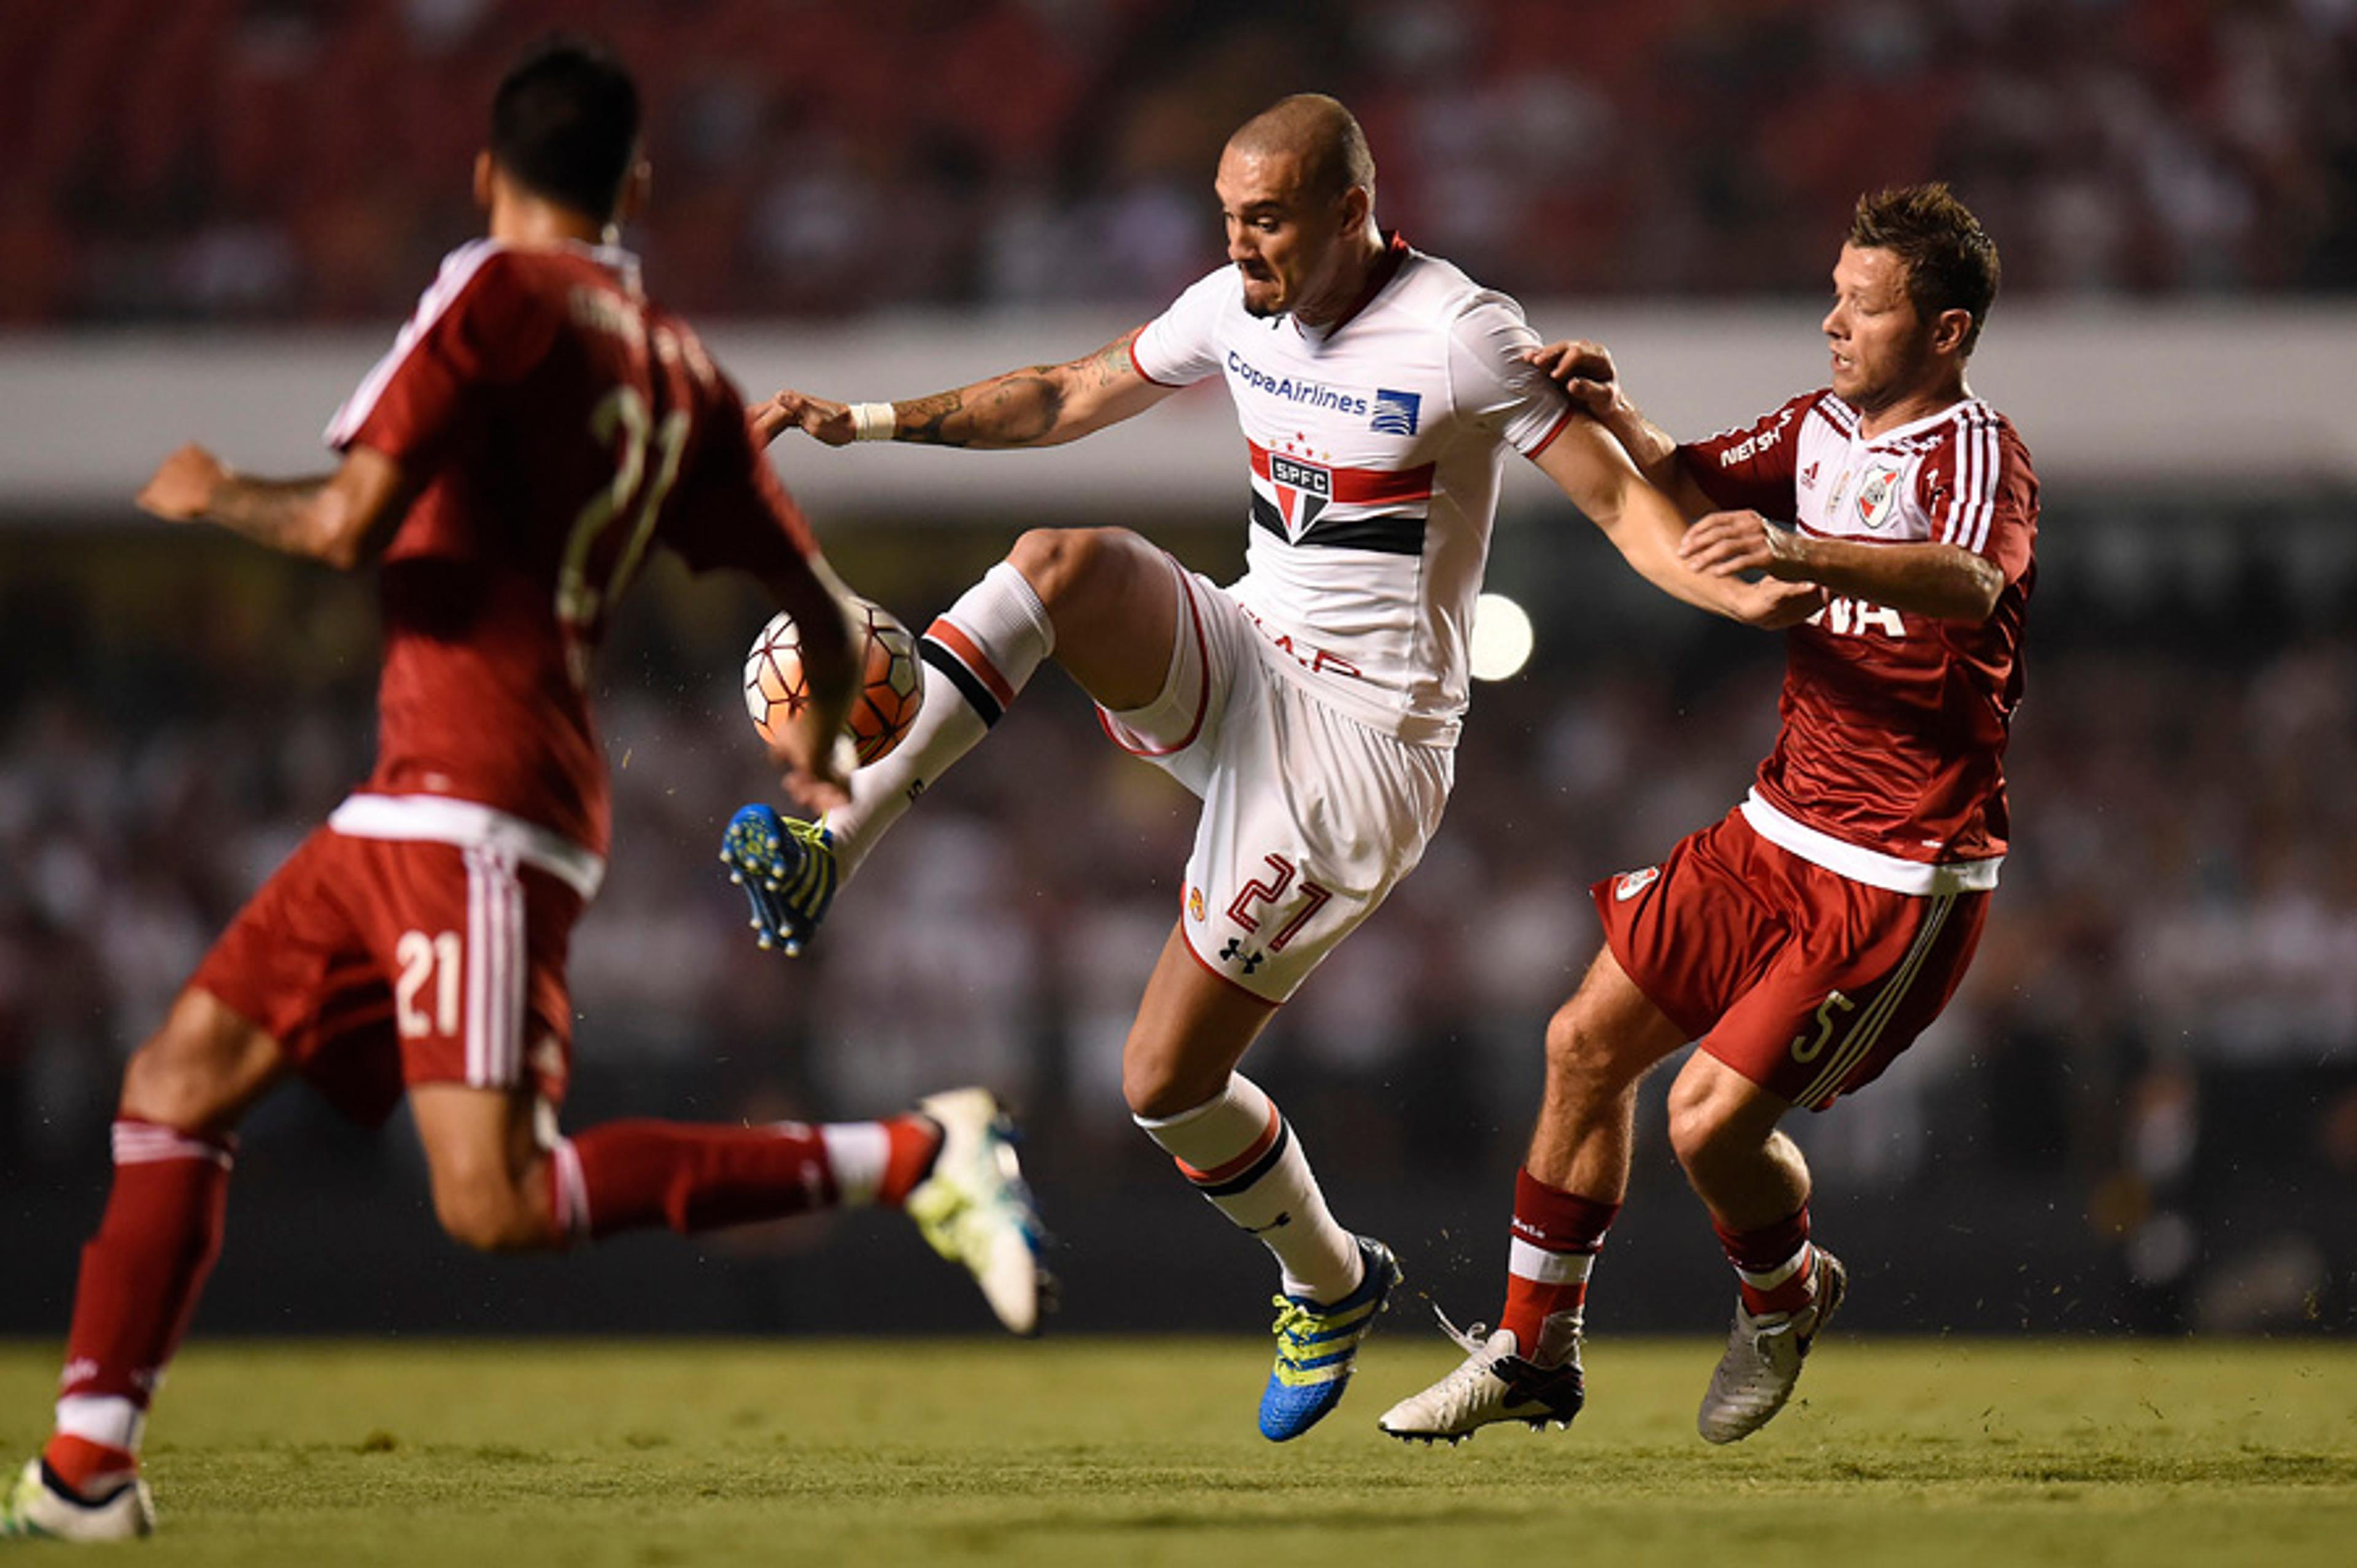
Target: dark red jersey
pixel 561 427
pixel 1890 765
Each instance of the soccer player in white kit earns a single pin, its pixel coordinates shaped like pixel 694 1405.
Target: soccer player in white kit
pixel 1314 704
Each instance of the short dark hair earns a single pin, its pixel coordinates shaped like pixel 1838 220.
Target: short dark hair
pixel 1950 261
pixel 564 124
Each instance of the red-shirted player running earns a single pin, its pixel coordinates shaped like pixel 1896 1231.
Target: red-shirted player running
pixel 1807 938
pixel 536 429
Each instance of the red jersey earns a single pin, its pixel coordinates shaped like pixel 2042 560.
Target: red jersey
pixel 1890 765
pixel 559 426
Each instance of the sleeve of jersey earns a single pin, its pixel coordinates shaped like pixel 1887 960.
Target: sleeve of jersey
pixel 1494 386
pixel 1754 465
pixel 732 511
pixel 1981 494
pixel 1181 346
pixel 477 327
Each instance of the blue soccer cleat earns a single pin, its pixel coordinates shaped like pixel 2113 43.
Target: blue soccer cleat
pixel 787 868
pixel 1316 1345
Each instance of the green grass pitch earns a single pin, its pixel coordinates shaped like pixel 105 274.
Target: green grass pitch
pixel 1119 1451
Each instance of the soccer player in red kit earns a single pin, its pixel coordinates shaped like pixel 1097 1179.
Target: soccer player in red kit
pixel 536 429
pixel 1807 938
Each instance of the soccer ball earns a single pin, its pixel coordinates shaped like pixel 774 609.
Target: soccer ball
pixel 891 687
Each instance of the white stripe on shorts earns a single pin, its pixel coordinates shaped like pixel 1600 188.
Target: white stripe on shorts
pixel 1860 1041
pixel 496 969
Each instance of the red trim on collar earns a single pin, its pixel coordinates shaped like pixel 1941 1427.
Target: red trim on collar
pixel 1387 266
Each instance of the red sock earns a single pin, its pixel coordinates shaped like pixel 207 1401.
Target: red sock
pixel 1775 1267
pixel 141 1275
pixel 1556 1237
pixel 628 1174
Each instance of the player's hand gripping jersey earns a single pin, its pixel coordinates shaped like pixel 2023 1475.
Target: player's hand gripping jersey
pixel 559 426
pixel 1377 450
pixel 1889 769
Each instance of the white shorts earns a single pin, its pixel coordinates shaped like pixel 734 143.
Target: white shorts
pixel 1310 818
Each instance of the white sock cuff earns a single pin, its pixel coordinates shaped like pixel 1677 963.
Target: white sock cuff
pixel 570 1189
pixel 112 1420
pixel 1241 1093
pixel 1771 1278
pixel 856 1154
pixel 1022 600
pixel 1526 1262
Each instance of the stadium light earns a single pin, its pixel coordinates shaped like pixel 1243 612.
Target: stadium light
pixel 1502 637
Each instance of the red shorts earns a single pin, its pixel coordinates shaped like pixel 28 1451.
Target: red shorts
pixel 377 963
pixel 1802 981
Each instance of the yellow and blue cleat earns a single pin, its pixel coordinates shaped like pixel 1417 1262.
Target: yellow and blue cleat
pixel 1317 1344
pixel 787 868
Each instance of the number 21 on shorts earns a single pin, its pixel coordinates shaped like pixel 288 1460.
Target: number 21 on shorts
pixel 430 973
pixel 1273 894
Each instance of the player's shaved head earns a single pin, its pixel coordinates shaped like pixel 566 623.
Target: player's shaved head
pixel 1321 136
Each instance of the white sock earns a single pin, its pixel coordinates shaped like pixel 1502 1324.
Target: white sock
pixel 1243 1156
pixel 977 656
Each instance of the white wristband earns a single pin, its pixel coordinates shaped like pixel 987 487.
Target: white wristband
pixel 873 421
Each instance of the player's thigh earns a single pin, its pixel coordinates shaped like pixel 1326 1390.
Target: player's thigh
pixel 204 1069
pixel 1850 991
pixel 473 945
pixel 1311 820
pixel 1608 1035
pixel 1191 1029
pixel 484 1158
pixel 1109 593
pixel 1693 933
pixel 290 976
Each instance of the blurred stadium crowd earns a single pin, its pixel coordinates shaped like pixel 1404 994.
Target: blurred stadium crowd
pixel 303 160
pixel 2161 1030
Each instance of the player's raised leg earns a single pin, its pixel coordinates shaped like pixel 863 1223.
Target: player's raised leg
pixel 501 1185
pixel 183 1093
pixel 1599 1045
pixel 1097 599
pixel 1756 1185
pixel 1230 1140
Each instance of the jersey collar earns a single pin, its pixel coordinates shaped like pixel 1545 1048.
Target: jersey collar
pixel 1394 255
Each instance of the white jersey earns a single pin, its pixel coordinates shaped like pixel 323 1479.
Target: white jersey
pixel 1377 448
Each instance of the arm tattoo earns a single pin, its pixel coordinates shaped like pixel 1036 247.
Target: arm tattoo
pixel 1012 410
pixel 272 512
pixel 925 420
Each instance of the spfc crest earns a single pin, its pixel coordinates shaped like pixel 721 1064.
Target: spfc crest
pixel 1303 490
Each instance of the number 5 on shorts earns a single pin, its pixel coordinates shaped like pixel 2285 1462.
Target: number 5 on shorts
pixel 1805 1049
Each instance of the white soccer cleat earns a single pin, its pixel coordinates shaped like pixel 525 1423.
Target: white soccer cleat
pixel 36 1508
pixel 974 1210
pixel 1493 1384
pixel 1763 1358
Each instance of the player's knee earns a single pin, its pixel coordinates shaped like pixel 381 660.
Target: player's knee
pixel 1706 1122
pixel 1579 1052
pixel 1065 563
pixel 490 1214
pixel 173 1086
pixel 1159 1090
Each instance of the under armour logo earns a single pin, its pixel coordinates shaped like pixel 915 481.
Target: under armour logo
pixel 1235 946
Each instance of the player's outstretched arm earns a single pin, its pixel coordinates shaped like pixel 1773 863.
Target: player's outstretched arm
pixel 344 519
pixel 1585 371
pixel 1039 405
pixel 1590 468
pixel 1943 581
